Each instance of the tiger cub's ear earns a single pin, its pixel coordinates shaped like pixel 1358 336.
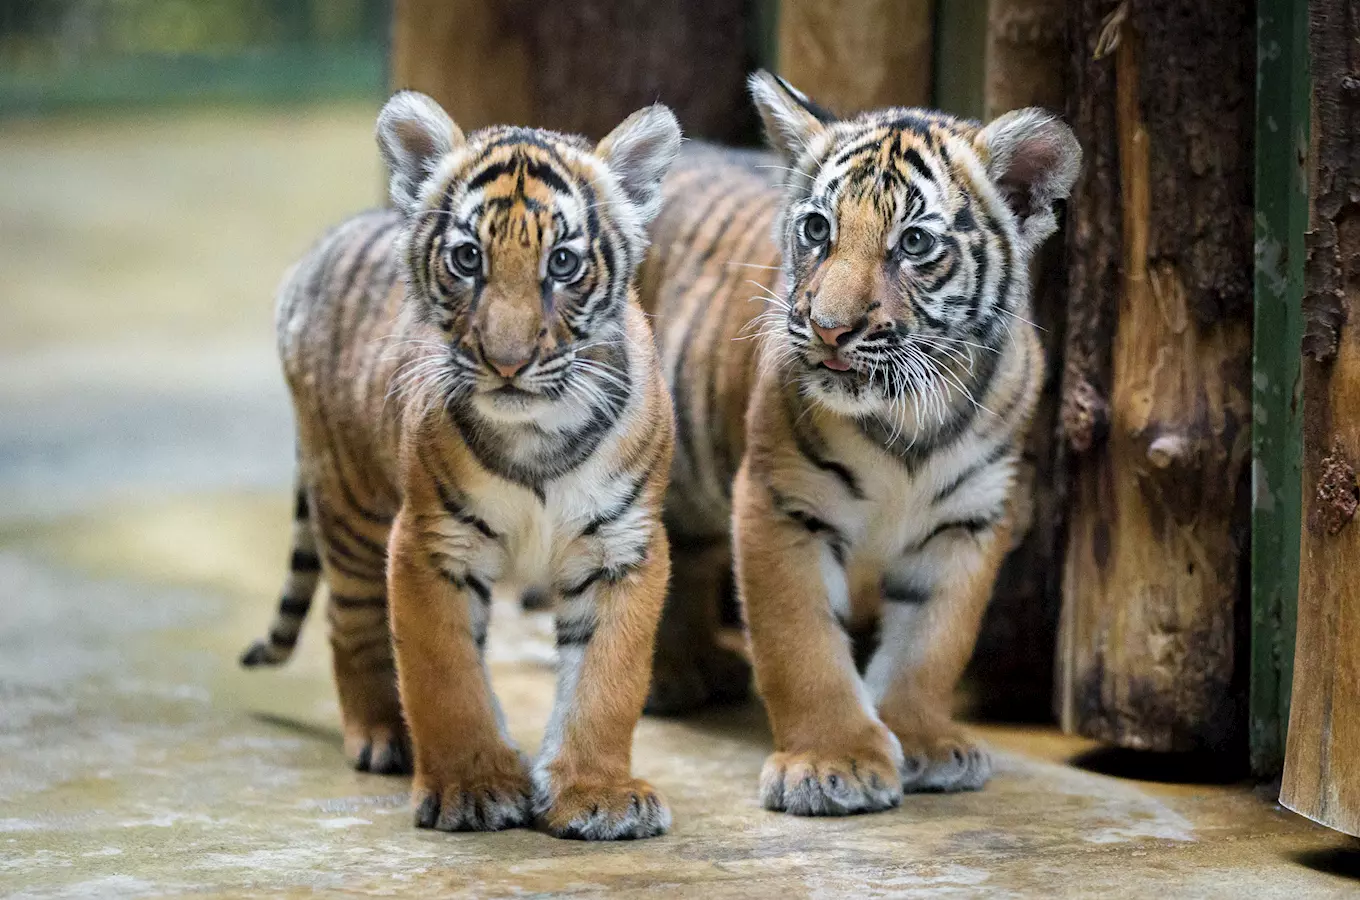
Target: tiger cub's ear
pixel 1033 159
pixel 414 133
pixel 638 152
pixel 791 120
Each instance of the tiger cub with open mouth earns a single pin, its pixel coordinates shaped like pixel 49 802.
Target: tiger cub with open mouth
pixel 853 428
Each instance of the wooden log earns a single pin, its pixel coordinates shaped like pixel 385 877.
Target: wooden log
pixel 1013 663
pixel 855 55
pixel 581 67
pixel 1322 756
pixel 1156 394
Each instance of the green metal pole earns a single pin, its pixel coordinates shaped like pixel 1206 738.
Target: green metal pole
pixel 1282 121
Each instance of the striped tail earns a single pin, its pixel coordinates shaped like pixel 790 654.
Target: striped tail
pixel 304 572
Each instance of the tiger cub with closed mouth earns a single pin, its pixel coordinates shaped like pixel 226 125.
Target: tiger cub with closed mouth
pixel 479 405
pixel 853 427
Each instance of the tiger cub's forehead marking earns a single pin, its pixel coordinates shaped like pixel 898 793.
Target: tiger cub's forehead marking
pixel 518 181
pixel 910 152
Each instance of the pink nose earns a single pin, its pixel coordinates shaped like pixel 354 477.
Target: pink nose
pixel 508 368
pixel 831 336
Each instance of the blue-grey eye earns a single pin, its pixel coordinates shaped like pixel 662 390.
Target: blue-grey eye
pixel 466 259
pixel 563 264
pixel 916 242
pixel 816 228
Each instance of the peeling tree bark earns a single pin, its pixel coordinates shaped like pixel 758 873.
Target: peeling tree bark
pixel 1322 757
pixel 580 67
pixel 1026 42
pixel 1156 385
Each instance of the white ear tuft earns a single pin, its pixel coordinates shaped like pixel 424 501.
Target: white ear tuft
pixel 414 133
pixel 791 119
pixel 1033 158
pixel 639 152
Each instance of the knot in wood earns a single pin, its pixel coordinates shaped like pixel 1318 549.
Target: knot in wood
pixel 1084 415
pixel 1337 496
pixel 1167 450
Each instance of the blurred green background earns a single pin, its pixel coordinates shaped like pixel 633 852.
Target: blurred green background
pixel 58 55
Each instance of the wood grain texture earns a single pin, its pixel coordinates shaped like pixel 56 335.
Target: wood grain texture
pixel 1322 757
pixel 581 67
pixel 857 54
pixel 1013 662
pixel 1156 399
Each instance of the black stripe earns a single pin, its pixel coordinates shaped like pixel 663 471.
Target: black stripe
pixel 344 601
pixel 584 585
pixel 305 561
pixel 815 526
pixel 333 527
pixel 345 563
pixel 906 594
pixel 282 639
pixel 456 509
pixel 574 632
pixel 300 511
pixel 918 165
pixel 995 455
pixel 974 525
pixel 297 607
pixel 620 508
pixel 803 442
pixel 480 588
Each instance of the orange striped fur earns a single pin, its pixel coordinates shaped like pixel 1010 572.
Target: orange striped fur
pixel 843 325
pixel 479 408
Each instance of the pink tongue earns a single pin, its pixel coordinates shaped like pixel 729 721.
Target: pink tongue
pixel 836 365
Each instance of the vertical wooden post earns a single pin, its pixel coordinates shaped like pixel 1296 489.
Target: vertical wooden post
pixel 1024 66
pixel 1282 101
pixel 1322 760
pixel 583 66
pixel 857 54
pixel 1156 394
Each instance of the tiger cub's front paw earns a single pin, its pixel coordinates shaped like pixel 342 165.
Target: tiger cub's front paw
pixel 855 779
pixel 380 749
pixel 490 794
pixel 945 760
pixel 603 811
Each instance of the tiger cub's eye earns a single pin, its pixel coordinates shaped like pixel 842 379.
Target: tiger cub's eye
pixel 466 260
pixel 563 264
pixel 916 242
pixel 816 228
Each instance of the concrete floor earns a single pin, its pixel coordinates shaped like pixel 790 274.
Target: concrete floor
pixel 144 462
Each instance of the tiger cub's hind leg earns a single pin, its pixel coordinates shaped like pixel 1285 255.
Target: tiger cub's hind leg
pixel 354 553
pixel 690 667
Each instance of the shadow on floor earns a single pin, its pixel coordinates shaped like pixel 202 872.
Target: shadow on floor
pixel 1167 768
pixel 1343 861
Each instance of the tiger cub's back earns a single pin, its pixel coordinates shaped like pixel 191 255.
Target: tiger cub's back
pixel 708 276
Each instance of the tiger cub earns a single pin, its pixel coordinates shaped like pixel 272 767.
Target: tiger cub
pixel 479 405
pixel 851 399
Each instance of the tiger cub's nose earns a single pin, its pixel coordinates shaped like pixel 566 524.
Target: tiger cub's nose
pixel 508 368
pixel 831 336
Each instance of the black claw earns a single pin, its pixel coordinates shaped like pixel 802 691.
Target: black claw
pixel 427 813
pixel 364 758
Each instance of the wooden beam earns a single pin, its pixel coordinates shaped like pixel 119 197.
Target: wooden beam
pixel 1157 382
pixel 1282 101
pixel 855 55
pixel 1322 758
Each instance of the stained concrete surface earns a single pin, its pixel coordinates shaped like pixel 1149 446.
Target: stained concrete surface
pixel 144 461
